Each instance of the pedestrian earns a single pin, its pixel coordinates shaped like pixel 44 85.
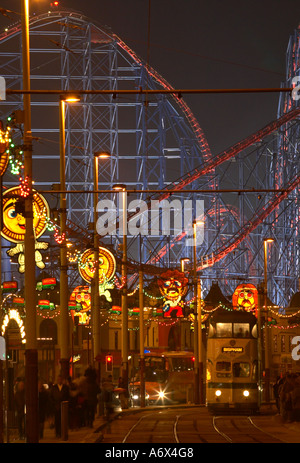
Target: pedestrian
pixel 276 387
pixel 295 395
pixel 59 394
pixel 19 403
pixel 107 391
pixel 286 399
pixel 92 396
pixel 43 399
pixel 123 393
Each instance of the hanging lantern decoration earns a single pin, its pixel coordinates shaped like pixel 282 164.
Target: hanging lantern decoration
pixel 173 286
pixel 107 269
pixel 14 224
pixel 245 297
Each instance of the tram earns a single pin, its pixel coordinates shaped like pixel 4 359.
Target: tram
pixel 169 378
pixel 232 362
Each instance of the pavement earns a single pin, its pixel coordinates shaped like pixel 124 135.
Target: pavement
pixel 86 435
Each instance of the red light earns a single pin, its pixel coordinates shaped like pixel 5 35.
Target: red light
pixel 54 3
pixel 193 359
pixel 108 358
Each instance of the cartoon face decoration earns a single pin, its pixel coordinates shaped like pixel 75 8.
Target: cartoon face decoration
pixel 245 296
pixel 107 265
pixel 14 221
pixel 81 296
pixel 173 286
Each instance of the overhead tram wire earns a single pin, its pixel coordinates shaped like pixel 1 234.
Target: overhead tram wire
pixel 141 91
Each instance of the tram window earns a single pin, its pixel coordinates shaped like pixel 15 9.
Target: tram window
pixel 241 330
pixel 223 366
pixel 223 330
pixel 241 370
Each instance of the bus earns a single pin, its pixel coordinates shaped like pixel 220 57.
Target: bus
pixel 169 378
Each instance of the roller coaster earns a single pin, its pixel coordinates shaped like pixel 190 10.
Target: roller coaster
pixel 157 144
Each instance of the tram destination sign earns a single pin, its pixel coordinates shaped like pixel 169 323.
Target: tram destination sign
pixel 235 350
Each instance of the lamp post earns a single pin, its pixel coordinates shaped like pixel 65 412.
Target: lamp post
pixel 196 338
pixel 64 290
pixel 199 396
pixel 95 283
pixel 267 360
pixel 31 353
pixel 123 223
pixel 141 327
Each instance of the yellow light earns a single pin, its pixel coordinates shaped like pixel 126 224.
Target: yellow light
pixel 102 155
pixel 72 99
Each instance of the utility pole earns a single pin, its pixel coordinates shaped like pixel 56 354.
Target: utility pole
pixel 31 353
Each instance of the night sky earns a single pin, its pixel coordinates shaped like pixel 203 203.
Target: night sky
pixel 207 44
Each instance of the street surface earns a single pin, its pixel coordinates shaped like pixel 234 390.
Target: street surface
pixel 196 425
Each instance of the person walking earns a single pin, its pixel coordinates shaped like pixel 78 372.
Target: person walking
pixel 43 407
pixel 92 396
pixel 19 403
pixel 59 394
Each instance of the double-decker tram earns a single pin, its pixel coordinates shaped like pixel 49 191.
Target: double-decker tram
pixel 169 378
pixel 232 362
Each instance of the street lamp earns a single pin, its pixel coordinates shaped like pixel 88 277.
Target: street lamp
pixel 122 188
pixel 267 360
pixel 64 291
pixel 198 365
pixel 95 283
pixel 183 260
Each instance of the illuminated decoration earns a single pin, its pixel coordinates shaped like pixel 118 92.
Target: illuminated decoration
pixel 4 152
pixel 46 283
pixel 14 224
pixel 13 314
pixel 191 318
pixel 245 297
pixel 107 269
pixel 80 304
pixel 45 304
pixel 173 286
pixel 18 302
pixel 9 286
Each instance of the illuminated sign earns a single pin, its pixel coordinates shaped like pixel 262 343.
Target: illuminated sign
pixel 235 350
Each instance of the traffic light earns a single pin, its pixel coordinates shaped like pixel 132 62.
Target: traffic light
pixel 109 362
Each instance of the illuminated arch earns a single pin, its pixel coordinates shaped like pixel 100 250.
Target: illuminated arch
pixel 13 314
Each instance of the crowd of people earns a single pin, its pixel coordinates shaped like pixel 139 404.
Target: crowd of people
pixel 83 395
pixel 287 396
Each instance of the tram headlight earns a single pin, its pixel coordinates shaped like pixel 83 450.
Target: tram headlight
pixel 218 392
pixel 246 393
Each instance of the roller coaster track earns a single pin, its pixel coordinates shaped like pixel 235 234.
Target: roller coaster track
pixel 208 165
pixel 246 229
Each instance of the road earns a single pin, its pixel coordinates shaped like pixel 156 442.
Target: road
pixel 195 425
